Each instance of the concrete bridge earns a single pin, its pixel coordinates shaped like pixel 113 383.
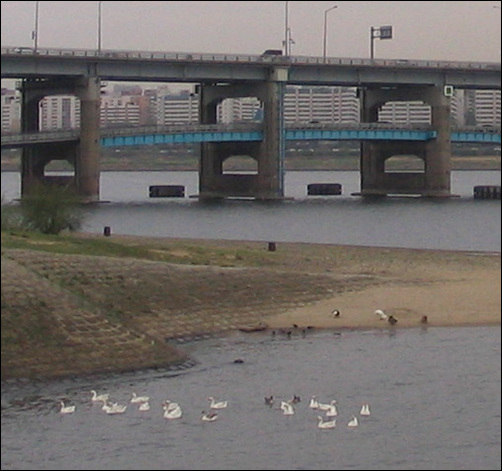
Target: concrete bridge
pixel 79 72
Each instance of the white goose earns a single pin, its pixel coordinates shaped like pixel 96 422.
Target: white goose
pixel 314 404
pixel 365 410
pixel 100 397
pixel 328 424
pixel 144 406
pixel 138 399
pixel 217 405
pixel 114 408
pixel 209 416
pixel 332 412
pixel 287 408
pixel 329 406
pixel 66 409
pixel 381 315
pixel 169 405
pixel 354 422
pixel 171 414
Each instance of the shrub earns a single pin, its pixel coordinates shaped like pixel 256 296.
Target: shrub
pixel 51 209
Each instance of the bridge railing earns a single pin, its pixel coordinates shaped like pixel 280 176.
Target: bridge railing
pixel 243 58
pixel 13 139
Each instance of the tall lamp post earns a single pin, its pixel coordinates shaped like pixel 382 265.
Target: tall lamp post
pixel 34 35
pixel 100 3
pixel 325 38
pixel 286 29
pixel 383 32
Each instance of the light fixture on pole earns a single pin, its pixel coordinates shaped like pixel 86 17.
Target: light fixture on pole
pixel 383 32
pixel 325 38
pixel 100 3
pixel 34 34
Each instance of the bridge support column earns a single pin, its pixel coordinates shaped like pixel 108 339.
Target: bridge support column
pixel 436 153
pixel 84 156
pixel 268 182
pixel 87 171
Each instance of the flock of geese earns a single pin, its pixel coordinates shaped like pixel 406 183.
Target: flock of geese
pixel 172 410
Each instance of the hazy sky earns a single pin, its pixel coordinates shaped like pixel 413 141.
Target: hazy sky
pixel 422 30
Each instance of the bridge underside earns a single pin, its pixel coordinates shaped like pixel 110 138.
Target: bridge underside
pixel 436 153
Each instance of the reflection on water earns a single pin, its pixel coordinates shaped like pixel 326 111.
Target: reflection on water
pixel 434 396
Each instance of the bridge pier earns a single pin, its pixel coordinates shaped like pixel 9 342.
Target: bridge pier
pixel 435 180
pixel 84 156
pixel 268 181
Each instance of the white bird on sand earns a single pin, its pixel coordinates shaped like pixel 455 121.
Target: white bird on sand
pixel 209 416
pixel 381 315
pixel 328 424
pixel 66 409
pixel 365 410
pixel 137 399
pixel 175 413
pixel 99 397
pixel 287 408
pixel 354 422
pixel 217 405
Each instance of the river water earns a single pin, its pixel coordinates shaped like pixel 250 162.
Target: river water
pixel 459 223
pixel 434 397
pixel 435 393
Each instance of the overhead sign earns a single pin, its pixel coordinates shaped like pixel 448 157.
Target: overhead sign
pixel 385 32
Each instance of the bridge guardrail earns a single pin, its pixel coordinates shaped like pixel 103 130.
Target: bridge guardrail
pixel 244 58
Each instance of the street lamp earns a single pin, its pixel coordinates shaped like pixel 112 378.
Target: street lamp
pixel 325 43
pixel 99 25
pixel 383 32
pixel 34 34
pixel 286 29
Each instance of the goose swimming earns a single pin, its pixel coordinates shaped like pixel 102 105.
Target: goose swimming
pixel 217 405
pixel 66 409
pixel 144 406
pixel 175 413
pixel 354 422
pixel 99 397
pixel 137 399
pixel 331 412
pixel 322 406
pixel 287 408
pixel 328 424
pixel 209 416
pixel 314 404
pixel 114 408
pixel 365 410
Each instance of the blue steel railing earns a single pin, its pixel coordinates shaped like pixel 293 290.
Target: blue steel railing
pixel 186 134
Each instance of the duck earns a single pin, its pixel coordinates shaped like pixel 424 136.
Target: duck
pixel 335 313
pixel 269 400
pixel 365 410
pixel 382 316
pixel 325 424
pixel 295 399
pixel 209 416
pixel 392 320
pixel 217 405
pixel 353 422
pixel 138 399
pixel 175 413
pixel 66 409
pixel 99 397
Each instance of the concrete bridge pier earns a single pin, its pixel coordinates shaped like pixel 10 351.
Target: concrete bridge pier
pixel 267 182
pixel 84 156
pixel 435 179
